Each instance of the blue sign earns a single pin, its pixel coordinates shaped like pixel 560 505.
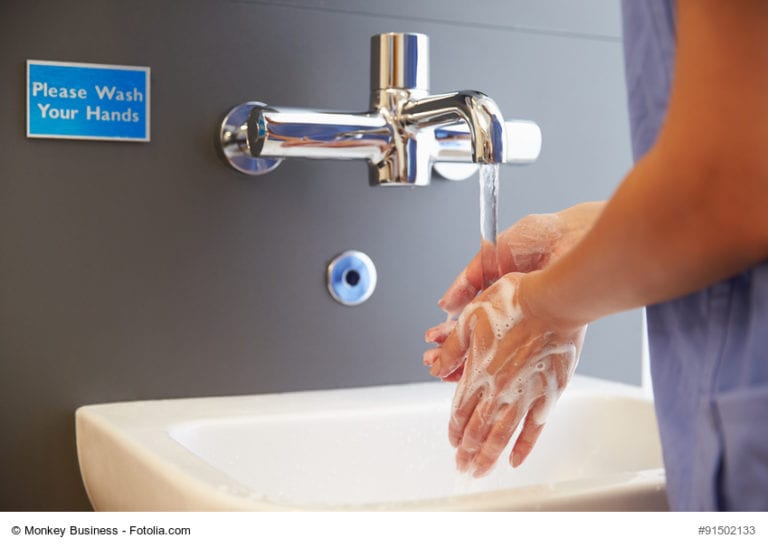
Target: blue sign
pixel 85 101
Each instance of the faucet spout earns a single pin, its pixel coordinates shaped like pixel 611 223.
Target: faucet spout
pixel 405 131
pixel 480 113
pixel 278 132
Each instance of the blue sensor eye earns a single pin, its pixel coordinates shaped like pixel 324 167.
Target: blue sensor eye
pixel 351 278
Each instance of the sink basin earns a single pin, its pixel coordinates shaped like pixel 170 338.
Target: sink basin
pixel 380 448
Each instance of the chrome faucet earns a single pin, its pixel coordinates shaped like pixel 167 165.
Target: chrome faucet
pixel 404 133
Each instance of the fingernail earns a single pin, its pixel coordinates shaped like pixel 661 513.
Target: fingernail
pixel 479 472
pixel 517 459
pixel 462 465
pixel 430 357
pixel 435 369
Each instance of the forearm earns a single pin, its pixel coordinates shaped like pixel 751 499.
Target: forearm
pixel 672 227
pixel 693 211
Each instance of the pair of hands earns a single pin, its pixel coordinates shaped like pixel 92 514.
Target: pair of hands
pixel 510 363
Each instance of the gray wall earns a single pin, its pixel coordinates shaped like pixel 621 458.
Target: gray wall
pixel 139 271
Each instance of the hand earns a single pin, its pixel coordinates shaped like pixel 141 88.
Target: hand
pixel 515 365
pixel 530 244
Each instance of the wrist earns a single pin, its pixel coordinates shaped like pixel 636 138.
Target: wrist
pixel 537 299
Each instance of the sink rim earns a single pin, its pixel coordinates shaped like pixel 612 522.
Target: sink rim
pixel 139 433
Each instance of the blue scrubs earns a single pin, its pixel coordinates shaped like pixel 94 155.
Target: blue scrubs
pixel 709 350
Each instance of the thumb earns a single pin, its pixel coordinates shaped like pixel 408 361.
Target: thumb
pixel 464 288
pixel 453 351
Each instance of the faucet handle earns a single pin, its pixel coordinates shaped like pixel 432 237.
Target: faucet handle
pixel 400 60
pixel 454 152
pixel 523 142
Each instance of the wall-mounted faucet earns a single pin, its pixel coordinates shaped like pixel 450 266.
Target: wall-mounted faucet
pixel 402 136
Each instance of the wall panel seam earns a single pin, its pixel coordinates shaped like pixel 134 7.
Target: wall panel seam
pixel 461 24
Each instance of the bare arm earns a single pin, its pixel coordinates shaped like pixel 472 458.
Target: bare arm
pixel 695 209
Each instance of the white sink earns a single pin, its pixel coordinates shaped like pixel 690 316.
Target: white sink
pixel 363 449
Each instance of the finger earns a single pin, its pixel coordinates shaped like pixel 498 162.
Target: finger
pixel 532 427
pixel 463 460
pixel 440 332
pixel 431 356
pixel 464 288
pixel 561 366
pixel 463 407
pixel 452 353
pixel 478 426
pixel 455 376
pixel 554 369
pixel 504 425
